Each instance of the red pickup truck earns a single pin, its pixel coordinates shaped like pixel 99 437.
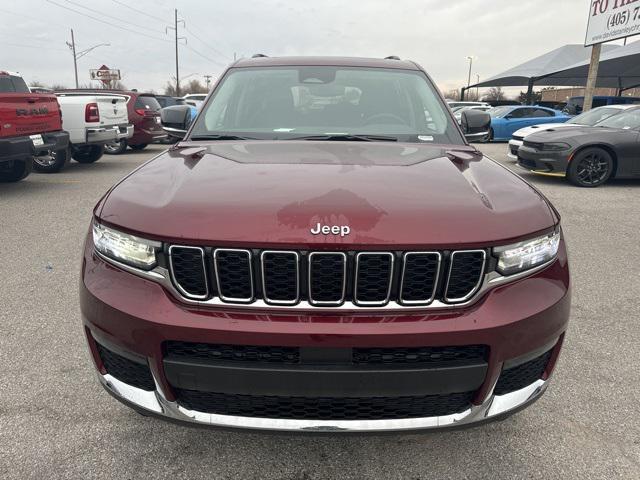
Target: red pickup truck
pixel 29 124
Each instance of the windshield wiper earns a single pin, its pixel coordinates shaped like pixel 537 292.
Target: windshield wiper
pixel 221 137
pixel 338 137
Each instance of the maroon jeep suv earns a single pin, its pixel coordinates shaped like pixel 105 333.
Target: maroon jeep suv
pixel 324 251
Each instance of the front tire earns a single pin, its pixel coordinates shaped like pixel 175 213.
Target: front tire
pixel 590 168
pixel 51 163
pixel 88 154
pixel 115 148
pixel 15 170
pixel 142 146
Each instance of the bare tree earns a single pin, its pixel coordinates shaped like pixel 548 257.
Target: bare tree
pixel 453 94
pixel 495 94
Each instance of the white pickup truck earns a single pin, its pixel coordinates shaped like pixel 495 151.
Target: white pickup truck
pixel 92 119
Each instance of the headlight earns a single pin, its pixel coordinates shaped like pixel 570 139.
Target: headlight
pixel 555 147
pixel 525 255
pixel 125 248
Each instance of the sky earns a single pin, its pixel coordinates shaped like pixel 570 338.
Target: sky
pixel 438 34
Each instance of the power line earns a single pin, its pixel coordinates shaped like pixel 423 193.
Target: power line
pixel 204 56
pixel 22 45
pixel 108 23
pixel 216 51
pixel 202 32
pixel 107 15
pixel 146 14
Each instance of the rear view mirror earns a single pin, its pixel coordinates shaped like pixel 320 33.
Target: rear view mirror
pixel 176 120
pixel 475 125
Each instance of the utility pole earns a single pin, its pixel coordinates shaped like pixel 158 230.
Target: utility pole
pixel 75 61
pixel 477 88
pixel 77 55
pixel 592 78
pixel 177 39
pixel 207 79
pixel 470 66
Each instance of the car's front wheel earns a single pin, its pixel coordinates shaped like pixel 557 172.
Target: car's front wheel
pixel 590 168
pixel 115 148
pixel 141 146
pixel 88 154
pixel 52 162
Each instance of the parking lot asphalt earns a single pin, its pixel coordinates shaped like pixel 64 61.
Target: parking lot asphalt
pixel 57 422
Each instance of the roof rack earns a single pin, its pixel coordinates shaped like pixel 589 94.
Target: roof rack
pixel 258 55
pixel 392 57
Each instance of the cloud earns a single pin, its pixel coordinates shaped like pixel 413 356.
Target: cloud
pixel 438 34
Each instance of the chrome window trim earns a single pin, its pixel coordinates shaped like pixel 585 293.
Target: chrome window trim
pixel 215 268
pixel 478 284
pixel 435 284
pixel 264 286
pixel 180 288
pixel 161 276
pixel 344 279
pixel 355 282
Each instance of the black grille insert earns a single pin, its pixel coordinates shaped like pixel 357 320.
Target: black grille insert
pixel 325 408
pixel 327 278
pixel 465 274
pixel 520 376
pixel 280 277
pixel 419 277
pixel 188 271
pixel 374 273
pixel 234 275
pixel 234 353
pixel 432 356
pixel 127 371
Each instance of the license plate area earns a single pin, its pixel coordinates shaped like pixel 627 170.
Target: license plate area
pixel 37 140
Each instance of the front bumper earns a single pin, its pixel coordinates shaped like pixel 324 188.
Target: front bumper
pixel 114 133
pixel 136 317
pixel 543 161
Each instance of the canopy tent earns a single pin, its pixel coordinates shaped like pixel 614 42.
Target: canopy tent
pixel 619 68
pixel 539 69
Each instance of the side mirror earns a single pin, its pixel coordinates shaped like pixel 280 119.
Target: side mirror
pixel 176 120
pixel 475 125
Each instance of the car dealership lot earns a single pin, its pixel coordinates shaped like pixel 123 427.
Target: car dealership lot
pixel 56 421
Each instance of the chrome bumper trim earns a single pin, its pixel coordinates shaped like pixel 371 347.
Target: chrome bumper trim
pixel 157 403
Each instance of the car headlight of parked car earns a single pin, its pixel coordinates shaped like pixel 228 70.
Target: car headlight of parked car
pixel 522 256
pixel 128 249
pixel 555 147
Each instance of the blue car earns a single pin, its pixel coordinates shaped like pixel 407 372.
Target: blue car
pixel 506 120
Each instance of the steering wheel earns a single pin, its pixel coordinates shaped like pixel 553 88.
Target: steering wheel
pixel 376 119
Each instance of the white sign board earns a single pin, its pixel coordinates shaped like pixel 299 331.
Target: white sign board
pixel 104 74
pixel 611 20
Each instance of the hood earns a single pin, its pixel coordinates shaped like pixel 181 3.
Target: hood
pixel 273 193
pixel 577 134
pixel 523 132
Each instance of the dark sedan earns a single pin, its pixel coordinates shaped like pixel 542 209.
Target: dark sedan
pixel 588 156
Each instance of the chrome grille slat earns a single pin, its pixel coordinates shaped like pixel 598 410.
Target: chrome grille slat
pixel 191 278
pixel 366 278
pixel 232 281
pixel 421 266
pixel 276 280
pixel 462 286
pixel 319 261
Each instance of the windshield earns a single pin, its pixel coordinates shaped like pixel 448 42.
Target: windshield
pixel 499 112
pixel 293 102
pixel 594 116
pixel 627 120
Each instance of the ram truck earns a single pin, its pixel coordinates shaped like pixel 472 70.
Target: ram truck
pixel 91 119
pixel 30 125
pixel 324 251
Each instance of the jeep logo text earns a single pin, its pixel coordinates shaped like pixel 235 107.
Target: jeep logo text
pixel 342 230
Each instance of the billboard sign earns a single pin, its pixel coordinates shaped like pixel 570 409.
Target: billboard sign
pixel 611 20
pixel 104 74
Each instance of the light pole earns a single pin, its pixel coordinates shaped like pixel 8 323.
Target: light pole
pixel 477 88
pixel 470 66
pixel 77 55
